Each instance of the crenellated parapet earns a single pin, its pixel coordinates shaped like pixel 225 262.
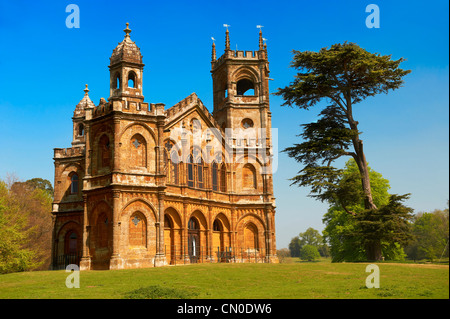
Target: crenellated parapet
pixel 69 152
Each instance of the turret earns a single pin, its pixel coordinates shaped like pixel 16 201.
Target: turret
pixel 126 70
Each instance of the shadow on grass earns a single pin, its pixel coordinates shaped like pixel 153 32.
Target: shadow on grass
pixel 159 292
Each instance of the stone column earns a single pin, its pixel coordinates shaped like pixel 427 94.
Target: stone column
pixel 116 262
pixel 85 263
pixel 210 250
pixel 184 235
pixel 160 257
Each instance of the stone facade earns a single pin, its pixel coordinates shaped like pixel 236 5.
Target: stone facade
pixel 146 186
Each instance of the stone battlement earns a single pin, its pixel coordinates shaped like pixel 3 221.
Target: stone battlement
pixel 69 152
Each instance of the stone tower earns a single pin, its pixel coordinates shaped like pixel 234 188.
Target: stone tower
pixel 241 108
pixel 123 162
pixel 241 87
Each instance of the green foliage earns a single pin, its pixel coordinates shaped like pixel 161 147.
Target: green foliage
pixel 25 227
pixel 342 76
pixel 310 237
pixel 350 236
pixel 309 253
pixel 294 247
pixel 431 233
pixel 13 235
pixel 342 247
pixel 389 226
pixel 341 72
pixel 40 183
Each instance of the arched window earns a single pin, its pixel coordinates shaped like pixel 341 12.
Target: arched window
pixel 245 87
pixel 81 130
pixel 104 151
pixel 131 79
pixel 214 175
pixel 171 163
pixel 199 172
pixel 137 235
pixel 193 224
pixel 74 184
pixel 194 170
pixel 190 171
pixel 217 226
pixel 138 156
pixel 174 168
pixel 223 178
pixel 249 176
pixel 116 83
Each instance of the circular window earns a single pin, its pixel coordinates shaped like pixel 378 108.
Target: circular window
pixel 247 123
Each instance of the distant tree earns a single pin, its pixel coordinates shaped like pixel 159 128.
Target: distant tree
pixel 40 183
pixel 313 237
pixel 13 235
pixel 342 76
pixel 309 253
pixel 25 227
pixel 294 247
pixel 431 235
pixel 324 250
pixel 34 183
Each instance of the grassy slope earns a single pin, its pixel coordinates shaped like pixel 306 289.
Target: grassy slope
pixel 246 281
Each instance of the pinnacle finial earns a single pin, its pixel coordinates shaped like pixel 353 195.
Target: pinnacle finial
pixel 227 37
pixel 213 54
pixel 261 43
pixel 127 31
pixel 86 90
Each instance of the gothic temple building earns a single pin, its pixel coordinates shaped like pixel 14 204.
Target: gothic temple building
pixel 144 185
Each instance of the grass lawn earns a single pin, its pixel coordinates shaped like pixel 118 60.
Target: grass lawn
pixel 294 280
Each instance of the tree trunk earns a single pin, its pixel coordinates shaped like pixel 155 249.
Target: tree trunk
pixel 360 159
pixel 365 181
pixel 373 248
pixel 373 251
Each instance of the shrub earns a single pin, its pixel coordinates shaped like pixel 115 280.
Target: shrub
pixel 309 253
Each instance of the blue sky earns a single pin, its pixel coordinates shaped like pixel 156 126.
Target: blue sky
pixel 44 66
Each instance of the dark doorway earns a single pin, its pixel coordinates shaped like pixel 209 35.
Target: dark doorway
pixel 193 240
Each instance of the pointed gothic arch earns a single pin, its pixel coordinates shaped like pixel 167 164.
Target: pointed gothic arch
pixel 137 232
pixel 138 154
